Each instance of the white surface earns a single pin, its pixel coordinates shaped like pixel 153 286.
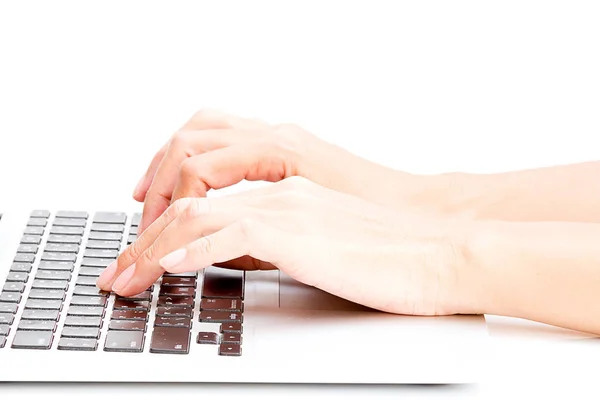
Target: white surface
pixel 421 86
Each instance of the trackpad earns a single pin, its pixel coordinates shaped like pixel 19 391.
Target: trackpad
pixel 296 295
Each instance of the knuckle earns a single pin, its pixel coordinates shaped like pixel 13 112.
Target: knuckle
pixel 246 227
pixel 178 207
pixel 181 138
pixel 188 168
pixel 204 245
pixel 195 209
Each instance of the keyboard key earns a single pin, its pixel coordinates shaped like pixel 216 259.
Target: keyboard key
pixel 110 217
pixel 131 239
pixel 144 296
pixel 31 239
pixel 175 322
pixel 57 265
pixel 2 341
pixel 171 301
pixel 90 271
pixel 21 267
pixel 89 291
pixel 107 228
pixel 34 230
pixel 128 304
pixel 80 332
pixel 192 274
pixel 36 304
pixel 228 349
pixel 232 338
pixel 127 325
pixel 126 341
pixel 40 214
pixel 130 314
pixel 82 311
pixel 220 316
pixel 222 304
pixel 135 220
pixel 133 231
pixel 62 247
pixel 99 253
pixel 37 222
pixel 37 325
pixel 170 340
pixel 106 236
pixel 28 248
pixel 72 214
pixel 47 294
pixel 177 291
pixel 18 287
pixel 17 277
pixel 207 338
pixel 67 239
pixel 168 281
pixel 40 340
pixel 50 284
pixel 51 315
pixel 174 312
pixel 77 344
pixel 53 275
pixel 103 244
pixel 50 256
pixel 88 301
pixel 87 280
pixel 24 258
pixel 67 230
pixel 69 222
pixel 10 297
pixel 96 262
pixel 9 308
pixel 6 319
pixel 92 322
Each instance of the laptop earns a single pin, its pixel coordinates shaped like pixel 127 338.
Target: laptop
pixel 217 325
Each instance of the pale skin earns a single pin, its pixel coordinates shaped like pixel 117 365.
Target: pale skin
pixel 522 244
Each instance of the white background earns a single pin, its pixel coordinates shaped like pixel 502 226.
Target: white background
pixel 89 90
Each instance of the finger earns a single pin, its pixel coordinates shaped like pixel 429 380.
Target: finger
pixel 137 248
pixel 182 146
pixel 139 193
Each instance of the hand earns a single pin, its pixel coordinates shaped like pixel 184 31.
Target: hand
pixel 341 244
pixel 215 150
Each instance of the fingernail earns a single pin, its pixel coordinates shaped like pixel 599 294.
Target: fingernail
pixel 173 259
pixel 138 187
pixel 123 280
pixel 107 275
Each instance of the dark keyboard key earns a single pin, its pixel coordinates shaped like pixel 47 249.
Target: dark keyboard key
pixel 222 304
pixel 228 349
pixel 87 280
pixel 107 227
pixel 37 304
pixel 17 277
pixel 127 341
pixel 50 284
pixel 106 236
pixel 20 267
pixel 90 271
pixel 207 338
pixel 231 327
pixel 9 308
pixel 72 214
pixel 127 325
pixel 99 253
pixel 96 262
pixel 89 291
pixel 92 322
pixel 69 222
pixel 170 340
pixel 62 247
pixel 110 217
pixel 28 248
pixel 34 230
pixel 82 311
pixel 40 214
pixel 57 266
pixel 168 281
pixel 177 291
pixel 128 304
pixel 31 239
pixel 80 332
pixel 51 315
pixel 220 316
pixel 130 314
pixel 6 319
pixel 144 296
pixel 175 322
pixel 66 239
pixel 47 294
pixel 49 256
pixel 67 230
pixel 88 301
pixel 175 301
pixel 37 222
pixel 103 244
pixel 135 219
pixel 24 258
pixel 173 312
pixel 192 274
pixel 18 287
pixel 40 340
pixel 2 341
pixel 53 275
pixel 10 297
pixel 232 338
pixel 37 325
pixel 77 344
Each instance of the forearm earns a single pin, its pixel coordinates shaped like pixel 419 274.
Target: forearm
pixel 547 272
pixel 560 193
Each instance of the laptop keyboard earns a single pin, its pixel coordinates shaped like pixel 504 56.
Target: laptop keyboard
pixel 51 287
